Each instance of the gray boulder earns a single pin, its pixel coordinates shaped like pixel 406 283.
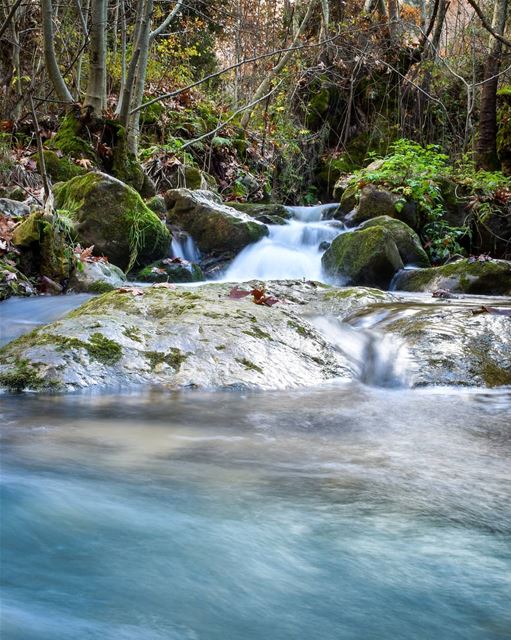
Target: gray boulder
pixel 96 277
pixel 216 228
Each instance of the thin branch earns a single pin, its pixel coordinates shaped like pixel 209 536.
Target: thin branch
pixel 173 94
pixel 487 25
pixel 156 32
pixel 251 105
pixel 9 17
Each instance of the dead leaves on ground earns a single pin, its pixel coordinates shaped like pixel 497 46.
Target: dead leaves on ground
pixel 259 296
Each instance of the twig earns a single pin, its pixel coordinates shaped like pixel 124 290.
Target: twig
pixel 231 118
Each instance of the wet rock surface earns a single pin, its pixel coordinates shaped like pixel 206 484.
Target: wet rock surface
pixel 206 337
pixel 491 277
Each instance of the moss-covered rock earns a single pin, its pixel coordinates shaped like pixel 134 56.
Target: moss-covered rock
pixel 214 227
pixel 112 216
pixel 363 257
pixel 60 169
pixel 170 270
pixel 373 202
pixel 407 241
pixel 13 282
pixel 96 277
pixel 492 277
pixel 197 337
pixel 157 204
pixel 349 199
pixel 46 247
pixel 70 139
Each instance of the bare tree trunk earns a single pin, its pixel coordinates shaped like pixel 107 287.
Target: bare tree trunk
pixel 95 96
pixel 84 14
pixel 393 12
pixel 265 85
pixel 147 37
pixel 486 147
pixel 50 57
pixel 140 76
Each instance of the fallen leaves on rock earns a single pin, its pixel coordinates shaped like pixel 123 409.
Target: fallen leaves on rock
pixel 134 291
pixel 259 296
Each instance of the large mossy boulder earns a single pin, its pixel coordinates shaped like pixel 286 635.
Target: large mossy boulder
pixel 170 270
pixel 407 241
pixel 374 202
pixel 492 277
pixel 363 257
pixel 186 337
pixel 112 216
pixel 216 228
pixel 178 337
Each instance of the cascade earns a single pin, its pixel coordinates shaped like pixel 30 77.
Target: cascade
pixel 379 359
pixel 290 251
pixel 183 246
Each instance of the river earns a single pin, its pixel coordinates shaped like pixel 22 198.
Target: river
pixel 360 510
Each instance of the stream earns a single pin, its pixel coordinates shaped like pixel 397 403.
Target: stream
pixel 354 510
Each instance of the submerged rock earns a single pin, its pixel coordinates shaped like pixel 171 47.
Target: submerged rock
pixel 96 277
pixel 112 216
pixel 492 277
pixel 216 228
pixel 170 270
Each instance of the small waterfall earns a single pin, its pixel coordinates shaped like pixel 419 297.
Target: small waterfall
pixel 183 246
pixel 379 359
pixel 290 251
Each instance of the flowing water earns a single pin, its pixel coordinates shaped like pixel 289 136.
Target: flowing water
pixel 291 250
pixel 183 246
pixel 363 510
pixel 345 512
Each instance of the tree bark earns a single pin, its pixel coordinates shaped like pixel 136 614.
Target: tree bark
pixel 486 147
pixel 50 57
pixel 95 96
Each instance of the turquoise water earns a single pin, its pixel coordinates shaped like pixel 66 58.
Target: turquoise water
pixel 332 514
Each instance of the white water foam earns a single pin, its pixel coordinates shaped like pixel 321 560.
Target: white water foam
pixel 290 251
